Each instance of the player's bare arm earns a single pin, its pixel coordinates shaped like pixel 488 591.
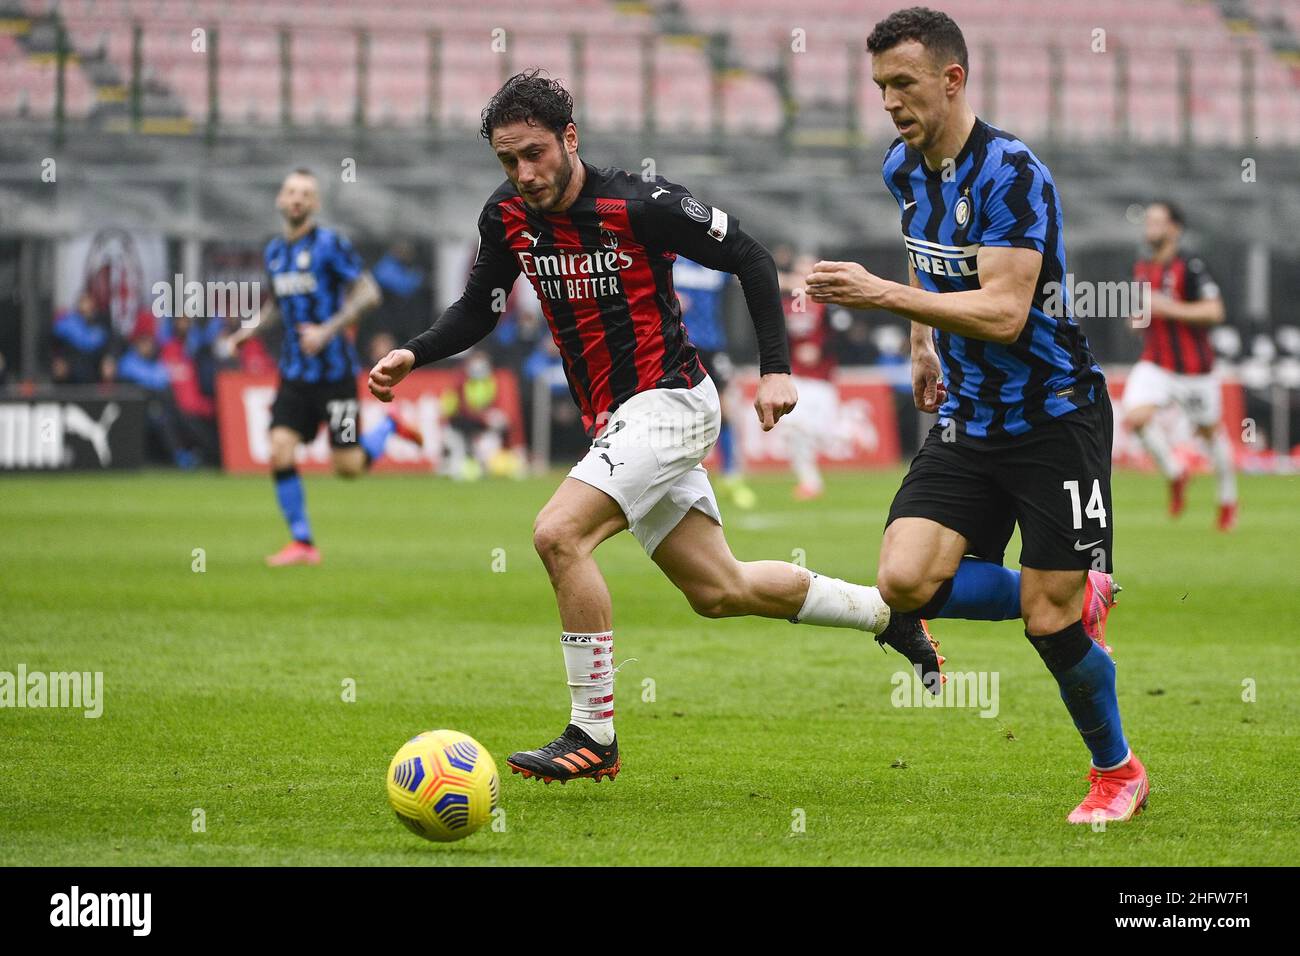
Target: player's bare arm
pixel 361 297
pixel 268 315
pixel 995 312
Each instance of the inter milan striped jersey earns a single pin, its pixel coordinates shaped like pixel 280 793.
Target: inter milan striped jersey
pixel 1178 346
pixel 603 273
pixel 309 277
pixel 996 193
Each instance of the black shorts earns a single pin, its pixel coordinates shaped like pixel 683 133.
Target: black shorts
pixel 719 367
pixel 1054 481
pixel 302 406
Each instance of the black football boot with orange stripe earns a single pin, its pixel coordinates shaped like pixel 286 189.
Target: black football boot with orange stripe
pixel 910 636
pixel 569 756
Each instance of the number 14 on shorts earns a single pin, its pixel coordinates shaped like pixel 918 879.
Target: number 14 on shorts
pixel 1095 509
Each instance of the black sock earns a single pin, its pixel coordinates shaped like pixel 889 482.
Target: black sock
pixel 1064 649
pixel 932 607
pixel 899 620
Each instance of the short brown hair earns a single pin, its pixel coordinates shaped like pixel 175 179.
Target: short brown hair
pixel 934 30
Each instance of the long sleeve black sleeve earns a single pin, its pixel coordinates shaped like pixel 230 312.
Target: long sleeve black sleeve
pixel 473 316
pixel 745 257
pixel 672 219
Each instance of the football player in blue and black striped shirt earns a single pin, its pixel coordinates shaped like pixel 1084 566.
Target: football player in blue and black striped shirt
pixel 319 290
pixel 1025 423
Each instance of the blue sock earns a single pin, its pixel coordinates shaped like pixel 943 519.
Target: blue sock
pixel 983 591
pixel 727 446
pixel 374 440
pixel 1086 675
pixel 293 503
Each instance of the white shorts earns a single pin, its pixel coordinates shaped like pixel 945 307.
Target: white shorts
pixel 1199 396
pixel 648 459
pixel 816 411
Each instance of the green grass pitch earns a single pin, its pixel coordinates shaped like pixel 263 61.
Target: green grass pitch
pixel 762 742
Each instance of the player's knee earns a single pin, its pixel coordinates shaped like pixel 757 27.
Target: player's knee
pixel 715 599
pixel 281 457
pixel 708 601
pixel 1050 619
pixel 284 445
pixel 556 542
pixel 903 586
pixel 1136 419
pixel 1046 612
pixel 349 469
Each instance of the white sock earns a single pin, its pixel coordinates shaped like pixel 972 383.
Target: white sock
pixel 589 661
pixel 837 603
pixel 1153 440
pixel 802 449
pixel 1123 763
pixel 1225 469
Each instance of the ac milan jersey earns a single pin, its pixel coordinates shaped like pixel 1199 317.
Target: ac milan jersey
pixel 1178 346
pixel 806 326
pixel 603 273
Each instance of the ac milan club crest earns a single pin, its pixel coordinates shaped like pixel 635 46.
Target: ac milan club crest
pixel 114 276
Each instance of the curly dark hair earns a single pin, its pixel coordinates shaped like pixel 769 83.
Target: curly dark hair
pixel 934 30
pixel 528 97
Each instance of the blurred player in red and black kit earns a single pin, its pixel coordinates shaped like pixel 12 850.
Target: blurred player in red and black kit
pixel 813 366
pixel 1177 364
pixel 598 246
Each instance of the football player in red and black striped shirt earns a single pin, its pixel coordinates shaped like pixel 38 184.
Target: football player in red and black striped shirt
pixel 1177 364
pixel 598 246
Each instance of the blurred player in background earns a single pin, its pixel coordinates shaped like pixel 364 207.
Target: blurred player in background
pixel 1177 364
pixel 1025 424
pixel 700 291
pixel 597 244
pixel 319 291
pixel 811 424
pixel 476 438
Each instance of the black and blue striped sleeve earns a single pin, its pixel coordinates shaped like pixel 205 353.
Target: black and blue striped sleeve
pixel 1015 212
pixel 344 261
